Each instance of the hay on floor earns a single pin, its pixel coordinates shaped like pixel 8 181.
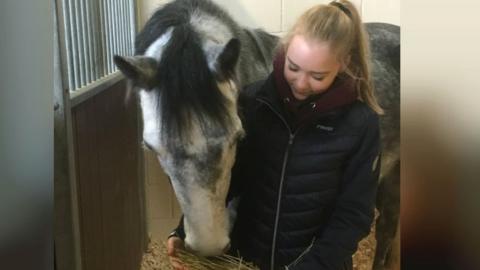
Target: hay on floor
pixel 155 258
pixel 363 258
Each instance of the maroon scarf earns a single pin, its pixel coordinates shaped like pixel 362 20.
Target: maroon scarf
pixel 342 92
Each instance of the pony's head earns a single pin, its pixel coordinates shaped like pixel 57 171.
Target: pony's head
pixel 188 94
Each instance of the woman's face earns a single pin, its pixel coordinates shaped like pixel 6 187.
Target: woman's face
pixel 310 67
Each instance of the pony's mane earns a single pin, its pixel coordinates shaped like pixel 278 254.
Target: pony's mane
pixel 188 89
pixel 177 13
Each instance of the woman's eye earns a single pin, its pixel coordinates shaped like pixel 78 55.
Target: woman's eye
pixel 294 69
pixel 318 78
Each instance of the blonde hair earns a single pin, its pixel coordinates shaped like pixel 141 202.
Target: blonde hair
pixel 342 28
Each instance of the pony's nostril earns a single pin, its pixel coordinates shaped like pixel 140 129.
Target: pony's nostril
pixel 227 248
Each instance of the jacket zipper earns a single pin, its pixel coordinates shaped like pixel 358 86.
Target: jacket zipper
pixel 282 177
pixel 277 214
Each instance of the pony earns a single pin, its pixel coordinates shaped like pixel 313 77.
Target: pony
pixel 191 62
pixel 384 42
pixel 189 66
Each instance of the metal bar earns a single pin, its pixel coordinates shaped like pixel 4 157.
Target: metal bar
pixel 118 16
pixel 107 36
pixel 81 63
pixel 103 41
pixel 122 26
pixel 73 31
pixel 104 30
pixel 98 40
pixel 129 27
pixel 91 25
pixel 126 24
pixel 67 48
pixel 88 55
pixel 94 9
pixel 126 21
pixel 133 23
pixel 110 36
pixel 91 38
pixel 86 67
pixel 116 31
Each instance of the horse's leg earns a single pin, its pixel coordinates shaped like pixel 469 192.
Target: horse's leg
pixel 388 205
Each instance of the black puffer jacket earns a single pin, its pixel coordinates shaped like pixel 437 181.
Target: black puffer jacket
pixel 307 195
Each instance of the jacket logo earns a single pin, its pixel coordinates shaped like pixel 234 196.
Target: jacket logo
pixel 326 128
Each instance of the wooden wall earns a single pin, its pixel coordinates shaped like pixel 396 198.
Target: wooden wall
pixel 110 188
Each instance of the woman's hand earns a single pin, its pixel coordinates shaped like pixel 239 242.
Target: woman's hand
pixel 173 244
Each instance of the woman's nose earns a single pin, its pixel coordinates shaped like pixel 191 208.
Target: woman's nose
pixel 301 83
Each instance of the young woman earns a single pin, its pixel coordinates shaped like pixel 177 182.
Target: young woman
pixel 307 170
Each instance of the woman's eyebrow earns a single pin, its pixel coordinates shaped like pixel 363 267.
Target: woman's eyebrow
pixel 313 72
pixel 291 62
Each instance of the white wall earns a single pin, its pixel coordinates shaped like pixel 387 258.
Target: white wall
pixel 275 16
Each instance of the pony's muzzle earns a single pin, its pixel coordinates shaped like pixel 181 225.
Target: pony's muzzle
pixel 208 252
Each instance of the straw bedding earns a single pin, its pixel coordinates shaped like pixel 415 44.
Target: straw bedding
pixel 155 258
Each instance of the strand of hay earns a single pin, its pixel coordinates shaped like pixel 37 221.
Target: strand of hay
pixel 156 258
pixel 226 262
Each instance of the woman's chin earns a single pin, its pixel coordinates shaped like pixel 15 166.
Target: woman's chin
pixel 299 96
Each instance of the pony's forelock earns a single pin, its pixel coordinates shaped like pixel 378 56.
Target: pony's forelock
pixel 188 91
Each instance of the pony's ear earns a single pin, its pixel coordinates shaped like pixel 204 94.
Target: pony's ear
pixel 228 58
pixel 140 69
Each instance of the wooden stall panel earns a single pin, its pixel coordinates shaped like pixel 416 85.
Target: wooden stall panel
pixel 106 146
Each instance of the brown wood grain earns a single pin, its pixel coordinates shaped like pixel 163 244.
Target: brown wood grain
pixel 106 145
